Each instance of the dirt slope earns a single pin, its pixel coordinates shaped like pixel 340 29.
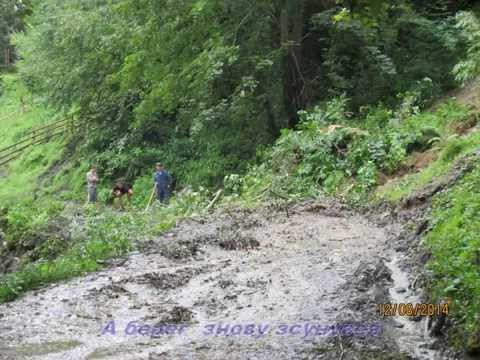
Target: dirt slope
pixel 468 95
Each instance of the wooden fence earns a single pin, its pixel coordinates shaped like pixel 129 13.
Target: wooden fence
pixel 34 136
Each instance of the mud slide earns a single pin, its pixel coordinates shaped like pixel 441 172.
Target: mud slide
pixel 302 282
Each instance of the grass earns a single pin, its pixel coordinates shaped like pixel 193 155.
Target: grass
pixel 14 118
pixel 455 247
pixel 449 146
pixel 107 234
pixel 450 151
pixel 106 237
pixel 20 176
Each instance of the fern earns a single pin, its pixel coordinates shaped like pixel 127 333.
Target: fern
pixel 467 69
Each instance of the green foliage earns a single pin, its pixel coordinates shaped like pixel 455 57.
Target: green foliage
pixel 469 67
pixel 374 55
pixel 452 149
pixel 12 14
pixel 438 9
pixel 106 236
pixel 455 260
pixel 437 48
pixel 320 156
pixel 327 154
pixel 448 145
pixel 25 219
pixel 19 111
pixel 201 111
pixel 200 85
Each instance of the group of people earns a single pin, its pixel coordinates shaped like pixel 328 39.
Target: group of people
pixel 162 182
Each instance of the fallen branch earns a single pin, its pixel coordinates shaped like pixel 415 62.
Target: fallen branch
pixel 284 197
pixel 218 194
pixel 262 193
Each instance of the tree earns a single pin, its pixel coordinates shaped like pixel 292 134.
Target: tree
pixel 204 83
pixel 12 14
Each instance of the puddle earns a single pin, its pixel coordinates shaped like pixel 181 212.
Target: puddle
pixel 112 353
pixel 31 349
pixel 413 338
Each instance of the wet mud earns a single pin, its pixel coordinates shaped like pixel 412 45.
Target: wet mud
pixel 271 283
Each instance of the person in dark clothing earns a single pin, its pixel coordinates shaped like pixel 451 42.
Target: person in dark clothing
pixel 119 191
pixel 163 181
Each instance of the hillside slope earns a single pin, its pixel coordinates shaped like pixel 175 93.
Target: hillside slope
pixel 20 112
pixel 443 194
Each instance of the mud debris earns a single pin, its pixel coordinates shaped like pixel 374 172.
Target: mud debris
pixel 235 241
pixel 173 314
pixel 368 275
pixel 233 269
pixel 165 281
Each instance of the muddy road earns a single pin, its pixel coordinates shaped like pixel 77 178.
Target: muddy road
pixel 276 283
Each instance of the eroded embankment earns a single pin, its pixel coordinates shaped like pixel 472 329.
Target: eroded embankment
pixel 278 281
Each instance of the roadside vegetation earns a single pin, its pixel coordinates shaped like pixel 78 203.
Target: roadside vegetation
pixel 455 247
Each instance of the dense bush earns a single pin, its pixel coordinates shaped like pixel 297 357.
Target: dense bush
pixel 470 66
pixel 333 153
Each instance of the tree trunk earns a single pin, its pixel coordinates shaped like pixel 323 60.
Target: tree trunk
pixel 292 25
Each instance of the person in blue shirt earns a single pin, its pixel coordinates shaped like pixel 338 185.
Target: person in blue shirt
pixel 163 181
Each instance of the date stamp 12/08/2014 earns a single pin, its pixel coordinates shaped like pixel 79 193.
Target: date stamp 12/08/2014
pixel 414 310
